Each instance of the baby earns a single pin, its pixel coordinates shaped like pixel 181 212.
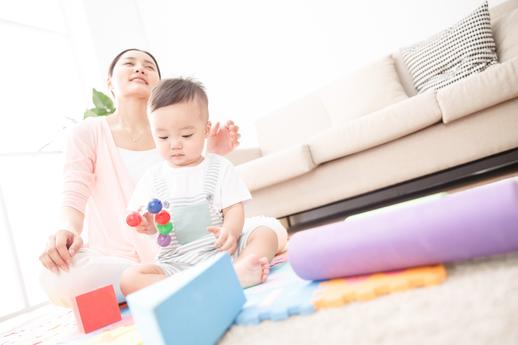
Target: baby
pixel 203 194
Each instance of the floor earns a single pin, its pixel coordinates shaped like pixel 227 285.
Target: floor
pixel 477 304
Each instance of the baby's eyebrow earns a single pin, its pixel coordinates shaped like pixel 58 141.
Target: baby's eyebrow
pixel 187 127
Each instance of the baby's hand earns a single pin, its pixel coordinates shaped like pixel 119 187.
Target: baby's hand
pixel 225 241
pixel 146 224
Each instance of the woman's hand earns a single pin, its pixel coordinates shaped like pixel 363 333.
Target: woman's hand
pixel 222 140
pixel 225 241
pixel 61 247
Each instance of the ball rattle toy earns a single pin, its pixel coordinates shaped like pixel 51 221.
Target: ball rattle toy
pixel 133 219
pixel 161 217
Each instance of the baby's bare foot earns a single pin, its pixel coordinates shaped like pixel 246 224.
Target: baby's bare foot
pixel 252 270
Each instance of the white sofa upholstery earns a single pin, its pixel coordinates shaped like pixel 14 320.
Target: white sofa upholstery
pixel 370 130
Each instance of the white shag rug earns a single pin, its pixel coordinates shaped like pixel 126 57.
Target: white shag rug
pixel 477 304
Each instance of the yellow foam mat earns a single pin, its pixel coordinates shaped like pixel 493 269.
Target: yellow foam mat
pixel 336 292
pixel 119 336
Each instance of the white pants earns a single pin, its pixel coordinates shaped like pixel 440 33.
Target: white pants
pixel 92 269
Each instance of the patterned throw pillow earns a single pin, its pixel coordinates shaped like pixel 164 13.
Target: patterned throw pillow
pixel 463 49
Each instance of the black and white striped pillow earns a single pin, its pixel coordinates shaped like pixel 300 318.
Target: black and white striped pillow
pixel 463 49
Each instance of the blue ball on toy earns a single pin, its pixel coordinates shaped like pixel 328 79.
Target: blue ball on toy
pixel 154 206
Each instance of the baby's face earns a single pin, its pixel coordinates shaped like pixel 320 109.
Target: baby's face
pixel 179 131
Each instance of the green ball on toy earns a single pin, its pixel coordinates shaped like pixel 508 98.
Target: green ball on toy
pixel 165 229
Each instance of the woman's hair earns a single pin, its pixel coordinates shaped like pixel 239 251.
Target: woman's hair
pixel 177 90
pixel 114 61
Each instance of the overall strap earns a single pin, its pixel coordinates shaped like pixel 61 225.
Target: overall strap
pixel 160 187
pixel 209 187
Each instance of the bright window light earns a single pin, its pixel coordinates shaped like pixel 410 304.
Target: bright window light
pixel 40 94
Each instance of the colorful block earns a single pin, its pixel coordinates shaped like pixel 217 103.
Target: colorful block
pixel 96 309
pixel 193 307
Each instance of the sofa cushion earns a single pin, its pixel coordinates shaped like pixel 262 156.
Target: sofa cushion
pixel 371 88
pixel 276 167
pixel 382 126
pixel 463 49
pixel 242 155
pixel 505 30
pixel 292 124
pixel 495 85
pixel 502 9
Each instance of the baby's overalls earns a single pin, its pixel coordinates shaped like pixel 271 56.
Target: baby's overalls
pixel 191 242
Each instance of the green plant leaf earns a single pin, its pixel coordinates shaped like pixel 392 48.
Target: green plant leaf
pixel 103 105
pixel 102 101
pixel 100 111
pixel 89 113
pixel 95 112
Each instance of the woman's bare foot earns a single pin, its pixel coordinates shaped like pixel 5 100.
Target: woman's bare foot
pixel 252 270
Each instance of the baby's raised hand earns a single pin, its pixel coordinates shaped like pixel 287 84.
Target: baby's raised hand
pixel 225 241
pixel 223 138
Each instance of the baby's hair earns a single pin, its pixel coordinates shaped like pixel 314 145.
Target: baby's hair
pixel 176 90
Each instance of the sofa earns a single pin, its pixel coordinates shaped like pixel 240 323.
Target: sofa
pixel 370 139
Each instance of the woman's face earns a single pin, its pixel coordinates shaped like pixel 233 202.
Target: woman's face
pixel 134 75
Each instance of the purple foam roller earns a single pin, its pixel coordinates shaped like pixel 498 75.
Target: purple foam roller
pixel 478 222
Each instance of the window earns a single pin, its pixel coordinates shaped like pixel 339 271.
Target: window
pixel 41 96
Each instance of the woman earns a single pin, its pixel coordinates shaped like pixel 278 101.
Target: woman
pixel 104 158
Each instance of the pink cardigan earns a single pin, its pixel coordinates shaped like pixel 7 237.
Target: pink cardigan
pixel 97 184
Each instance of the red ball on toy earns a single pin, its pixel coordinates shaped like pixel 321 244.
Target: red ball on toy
pixel 133 219
pixel 162 217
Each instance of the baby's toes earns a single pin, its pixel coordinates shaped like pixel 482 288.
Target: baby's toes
pixel 265 272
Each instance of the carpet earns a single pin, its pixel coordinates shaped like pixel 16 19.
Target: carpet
pixel 284 295
pixel 476 305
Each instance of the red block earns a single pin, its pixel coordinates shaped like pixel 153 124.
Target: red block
pixel 96 309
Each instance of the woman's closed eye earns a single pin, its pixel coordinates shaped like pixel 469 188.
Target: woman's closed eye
pixel 163 137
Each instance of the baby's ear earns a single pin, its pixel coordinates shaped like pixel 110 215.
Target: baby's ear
pixel 207 129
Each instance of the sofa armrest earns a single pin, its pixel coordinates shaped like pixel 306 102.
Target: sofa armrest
pixel 240 156
pixel 276 167
pixel 495 85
